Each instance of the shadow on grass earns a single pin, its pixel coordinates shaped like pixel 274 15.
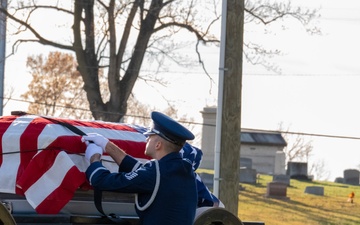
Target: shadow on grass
pixel 258 185
pixel 320 183
pixel 301 209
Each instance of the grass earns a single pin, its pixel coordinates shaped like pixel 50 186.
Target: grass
pixel 300 208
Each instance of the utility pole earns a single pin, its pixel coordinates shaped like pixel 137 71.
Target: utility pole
pixel 2 52
pixel 228 125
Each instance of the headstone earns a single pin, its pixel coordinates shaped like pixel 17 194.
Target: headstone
pixel 245 163
pixel 297 170
pixel 339 180
pixel 280 159
pixel 282 179
pixel 351 176
pixel 276 190
pixel 247 176
pixel 315 190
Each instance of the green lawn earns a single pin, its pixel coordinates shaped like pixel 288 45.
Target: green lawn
pixel 300 208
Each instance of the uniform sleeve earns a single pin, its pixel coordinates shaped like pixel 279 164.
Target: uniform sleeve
pixel 141 180
pixel 129 164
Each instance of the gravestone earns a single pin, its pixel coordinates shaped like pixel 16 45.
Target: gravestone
pixel 297 170
pixel 280 163
pixel 245 163
pixel 315 190
pixel 351 176
pixel 247 175
pixel 276 190
pixel 282 179
pixel 339 180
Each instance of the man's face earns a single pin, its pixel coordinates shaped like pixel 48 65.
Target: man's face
pixel 151 142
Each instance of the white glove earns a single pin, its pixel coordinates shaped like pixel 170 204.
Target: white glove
pixel 91 150
pixel 97 139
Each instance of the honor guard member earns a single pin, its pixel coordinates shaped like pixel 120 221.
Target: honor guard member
pixel 165 187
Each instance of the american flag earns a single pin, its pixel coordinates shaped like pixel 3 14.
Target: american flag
pixel 44 160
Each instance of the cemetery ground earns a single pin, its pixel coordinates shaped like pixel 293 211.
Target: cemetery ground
pixel 299 208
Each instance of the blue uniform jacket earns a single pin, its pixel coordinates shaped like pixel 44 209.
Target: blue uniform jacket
pixel 176 198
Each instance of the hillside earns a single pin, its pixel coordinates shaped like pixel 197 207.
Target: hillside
pixel 300 208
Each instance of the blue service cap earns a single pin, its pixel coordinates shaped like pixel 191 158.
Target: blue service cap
pixel 169 129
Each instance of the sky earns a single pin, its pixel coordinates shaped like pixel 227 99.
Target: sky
pixel 316 91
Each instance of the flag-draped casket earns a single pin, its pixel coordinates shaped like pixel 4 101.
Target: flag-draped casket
pixel 43 159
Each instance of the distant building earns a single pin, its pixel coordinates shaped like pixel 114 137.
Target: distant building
pixel 265 149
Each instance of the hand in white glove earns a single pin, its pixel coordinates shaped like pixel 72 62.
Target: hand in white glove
pixel 91 150
pixel 97 139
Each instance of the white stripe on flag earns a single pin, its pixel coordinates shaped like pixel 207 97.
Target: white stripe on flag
pixel 50 133
pixel 116 134
pixel 50 180
pixel 11 143
pixel 79 160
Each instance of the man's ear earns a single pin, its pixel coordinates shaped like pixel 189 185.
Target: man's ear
pixel 158 144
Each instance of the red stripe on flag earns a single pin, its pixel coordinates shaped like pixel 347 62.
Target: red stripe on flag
pixel 70 144
pixel 135 149
pixel 41 163
pixel 50 181
pixel 61 196
pixel 28 146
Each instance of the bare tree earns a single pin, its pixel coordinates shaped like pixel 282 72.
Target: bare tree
pixel 119 35
pixel 56 90
pixel 56 87
pixel 264 13
pixel 299 149
pixel 318 170
pixel 139 113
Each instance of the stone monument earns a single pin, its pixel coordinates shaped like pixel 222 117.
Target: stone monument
pixel 351 176
pixel 315 190
pixel 276 190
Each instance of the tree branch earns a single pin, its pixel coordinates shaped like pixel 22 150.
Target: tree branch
pixel 267 13
pixel 40 39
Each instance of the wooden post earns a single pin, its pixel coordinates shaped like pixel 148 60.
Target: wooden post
pixel 231 106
